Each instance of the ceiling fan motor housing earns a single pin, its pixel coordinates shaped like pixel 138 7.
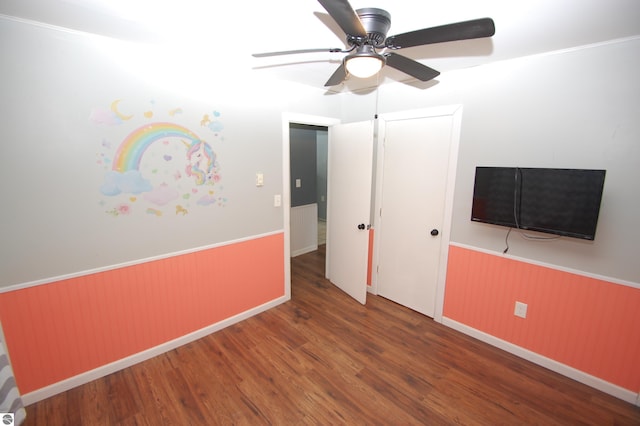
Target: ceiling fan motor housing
pixel 376 23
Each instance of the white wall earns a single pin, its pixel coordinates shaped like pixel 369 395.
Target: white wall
pixel 570 109
pixel 573 109
pixel 57 91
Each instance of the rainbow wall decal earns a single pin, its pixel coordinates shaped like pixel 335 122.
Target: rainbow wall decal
pixel 133 146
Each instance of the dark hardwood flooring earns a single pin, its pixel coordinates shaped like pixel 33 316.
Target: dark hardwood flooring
pixel 324 359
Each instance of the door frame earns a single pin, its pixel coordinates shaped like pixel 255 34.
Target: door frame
pixel 287 119
pixel 455 111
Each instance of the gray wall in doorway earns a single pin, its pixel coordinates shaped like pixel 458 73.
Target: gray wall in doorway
pixel 308 158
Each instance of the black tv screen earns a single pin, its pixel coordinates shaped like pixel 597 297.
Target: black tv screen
pixel 556 201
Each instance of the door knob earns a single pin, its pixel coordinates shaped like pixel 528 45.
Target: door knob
pixel 434 232
pixel 361 226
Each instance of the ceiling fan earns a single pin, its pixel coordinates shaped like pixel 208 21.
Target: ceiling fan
pixel 370 48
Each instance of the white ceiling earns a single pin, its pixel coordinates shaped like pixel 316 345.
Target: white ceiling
pixel 229 32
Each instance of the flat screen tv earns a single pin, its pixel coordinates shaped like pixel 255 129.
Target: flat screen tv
pixel 556 201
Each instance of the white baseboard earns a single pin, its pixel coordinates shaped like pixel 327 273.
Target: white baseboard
pixel 88 376
pixel 565 370
pixel 304 250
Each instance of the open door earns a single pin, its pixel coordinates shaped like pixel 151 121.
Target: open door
pixel 350 161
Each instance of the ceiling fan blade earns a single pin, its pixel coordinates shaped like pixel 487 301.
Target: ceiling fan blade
pixel 411 67
pixel 466 30
pixel 344 15
pixel 293 52
pixel 338 76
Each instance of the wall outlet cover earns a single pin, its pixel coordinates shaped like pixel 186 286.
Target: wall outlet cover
pixel 520 310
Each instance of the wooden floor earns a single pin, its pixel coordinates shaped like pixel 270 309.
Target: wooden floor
pixel 324 359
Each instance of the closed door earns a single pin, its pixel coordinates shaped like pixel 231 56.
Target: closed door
pixel 349 204
pixel 414 184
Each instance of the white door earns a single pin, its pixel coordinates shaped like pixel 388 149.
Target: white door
pixel 415 172
pixel 349 164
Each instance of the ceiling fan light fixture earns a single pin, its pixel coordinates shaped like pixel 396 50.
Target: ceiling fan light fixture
pixel 364 63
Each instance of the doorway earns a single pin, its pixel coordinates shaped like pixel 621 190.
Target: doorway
pixel 347 173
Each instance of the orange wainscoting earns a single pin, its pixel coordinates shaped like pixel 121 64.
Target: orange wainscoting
pixel 370 258
pixel 58 330
pixel 586 323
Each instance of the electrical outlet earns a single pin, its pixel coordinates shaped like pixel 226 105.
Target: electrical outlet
pixel 277 200
pixel 520 310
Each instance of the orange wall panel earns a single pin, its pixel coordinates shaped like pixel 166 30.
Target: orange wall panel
pixel 370 257
pixel 586 323
pixel 58 330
